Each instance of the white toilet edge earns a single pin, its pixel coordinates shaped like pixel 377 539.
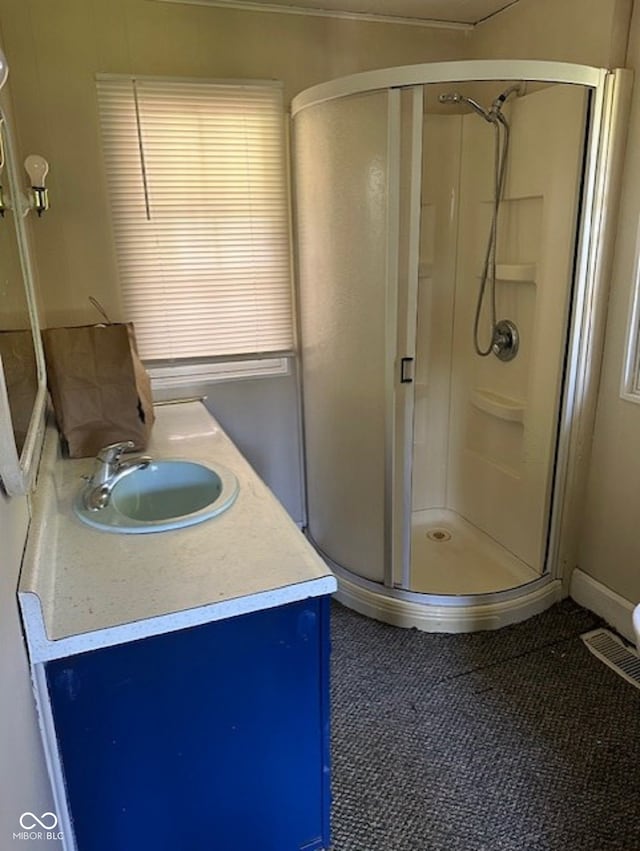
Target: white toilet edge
pixel 636 625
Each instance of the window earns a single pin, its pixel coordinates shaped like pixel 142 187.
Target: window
pixel 196 173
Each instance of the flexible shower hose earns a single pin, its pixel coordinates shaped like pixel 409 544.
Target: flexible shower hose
pixel 488 277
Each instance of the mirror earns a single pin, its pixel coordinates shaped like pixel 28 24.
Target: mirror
pixel 22 374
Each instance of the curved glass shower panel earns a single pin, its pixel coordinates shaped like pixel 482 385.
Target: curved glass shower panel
pixel 341 175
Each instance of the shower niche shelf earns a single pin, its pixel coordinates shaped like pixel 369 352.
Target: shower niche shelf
pixel 501 407
pixel 517 272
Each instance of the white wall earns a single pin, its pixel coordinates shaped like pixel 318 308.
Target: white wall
pixel 261 415
pixel 588 32
pixel 610 543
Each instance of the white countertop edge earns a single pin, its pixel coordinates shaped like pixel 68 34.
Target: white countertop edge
pixel 43 649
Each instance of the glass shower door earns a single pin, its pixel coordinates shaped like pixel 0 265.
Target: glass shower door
pixel 352 269
pixel 342 257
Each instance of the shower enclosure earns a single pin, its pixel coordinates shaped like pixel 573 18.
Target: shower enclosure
pixel 451 223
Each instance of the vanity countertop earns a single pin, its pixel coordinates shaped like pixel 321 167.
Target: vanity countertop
pixel 82 589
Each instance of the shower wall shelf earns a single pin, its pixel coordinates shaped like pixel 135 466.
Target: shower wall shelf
pixel 502 407
pixel 517 272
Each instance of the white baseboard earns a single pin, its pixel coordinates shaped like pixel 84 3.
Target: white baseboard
pixel 593 595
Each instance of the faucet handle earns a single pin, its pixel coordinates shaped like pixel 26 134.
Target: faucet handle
pixel 111 454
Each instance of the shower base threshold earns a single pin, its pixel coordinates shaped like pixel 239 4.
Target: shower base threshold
pixel 442 612
pixel 449 555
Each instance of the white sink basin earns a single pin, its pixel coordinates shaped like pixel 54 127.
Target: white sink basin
pixel 165 495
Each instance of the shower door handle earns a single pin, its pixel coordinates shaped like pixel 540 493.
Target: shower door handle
pixel 406 370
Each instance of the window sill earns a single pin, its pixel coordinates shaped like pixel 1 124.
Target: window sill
pixel 630 396
pixel 179 376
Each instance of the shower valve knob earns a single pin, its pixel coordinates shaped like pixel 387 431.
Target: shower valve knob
pixel 506 340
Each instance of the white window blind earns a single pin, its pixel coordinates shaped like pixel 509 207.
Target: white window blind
pixel 196 175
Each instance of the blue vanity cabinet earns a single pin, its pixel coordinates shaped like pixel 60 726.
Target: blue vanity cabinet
pixel 212 738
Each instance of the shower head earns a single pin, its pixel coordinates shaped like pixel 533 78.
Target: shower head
pixel 456 97
pixel 494 113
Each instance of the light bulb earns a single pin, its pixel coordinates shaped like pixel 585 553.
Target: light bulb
pixel 4 69
pixel 37 168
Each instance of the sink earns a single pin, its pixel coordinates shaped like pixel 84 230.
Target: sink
pixel 168 494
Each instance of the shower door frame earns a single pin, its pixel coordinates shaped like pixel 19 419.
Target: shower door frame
pixel 585 320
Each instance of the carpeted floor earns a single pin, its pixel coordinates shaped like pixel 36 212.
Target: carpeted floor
pixel 515 740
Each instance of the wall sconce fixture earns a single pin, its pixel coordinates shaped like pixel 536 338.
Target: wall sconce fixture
pixel 4 69
pixel 37 168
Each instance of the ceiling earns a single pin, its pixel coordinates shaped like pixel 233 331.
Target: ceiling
pixel 449 11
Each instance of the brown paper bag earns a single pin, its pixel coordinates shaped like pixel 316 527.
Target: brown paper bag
pixel 21 377
pixel 100 390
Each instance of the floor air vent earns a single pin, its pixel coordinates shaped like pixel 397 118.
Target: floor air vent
pixel 614 653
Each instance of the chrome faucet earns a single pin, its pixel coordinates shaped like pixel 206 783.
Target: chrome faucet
pixel 108 471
